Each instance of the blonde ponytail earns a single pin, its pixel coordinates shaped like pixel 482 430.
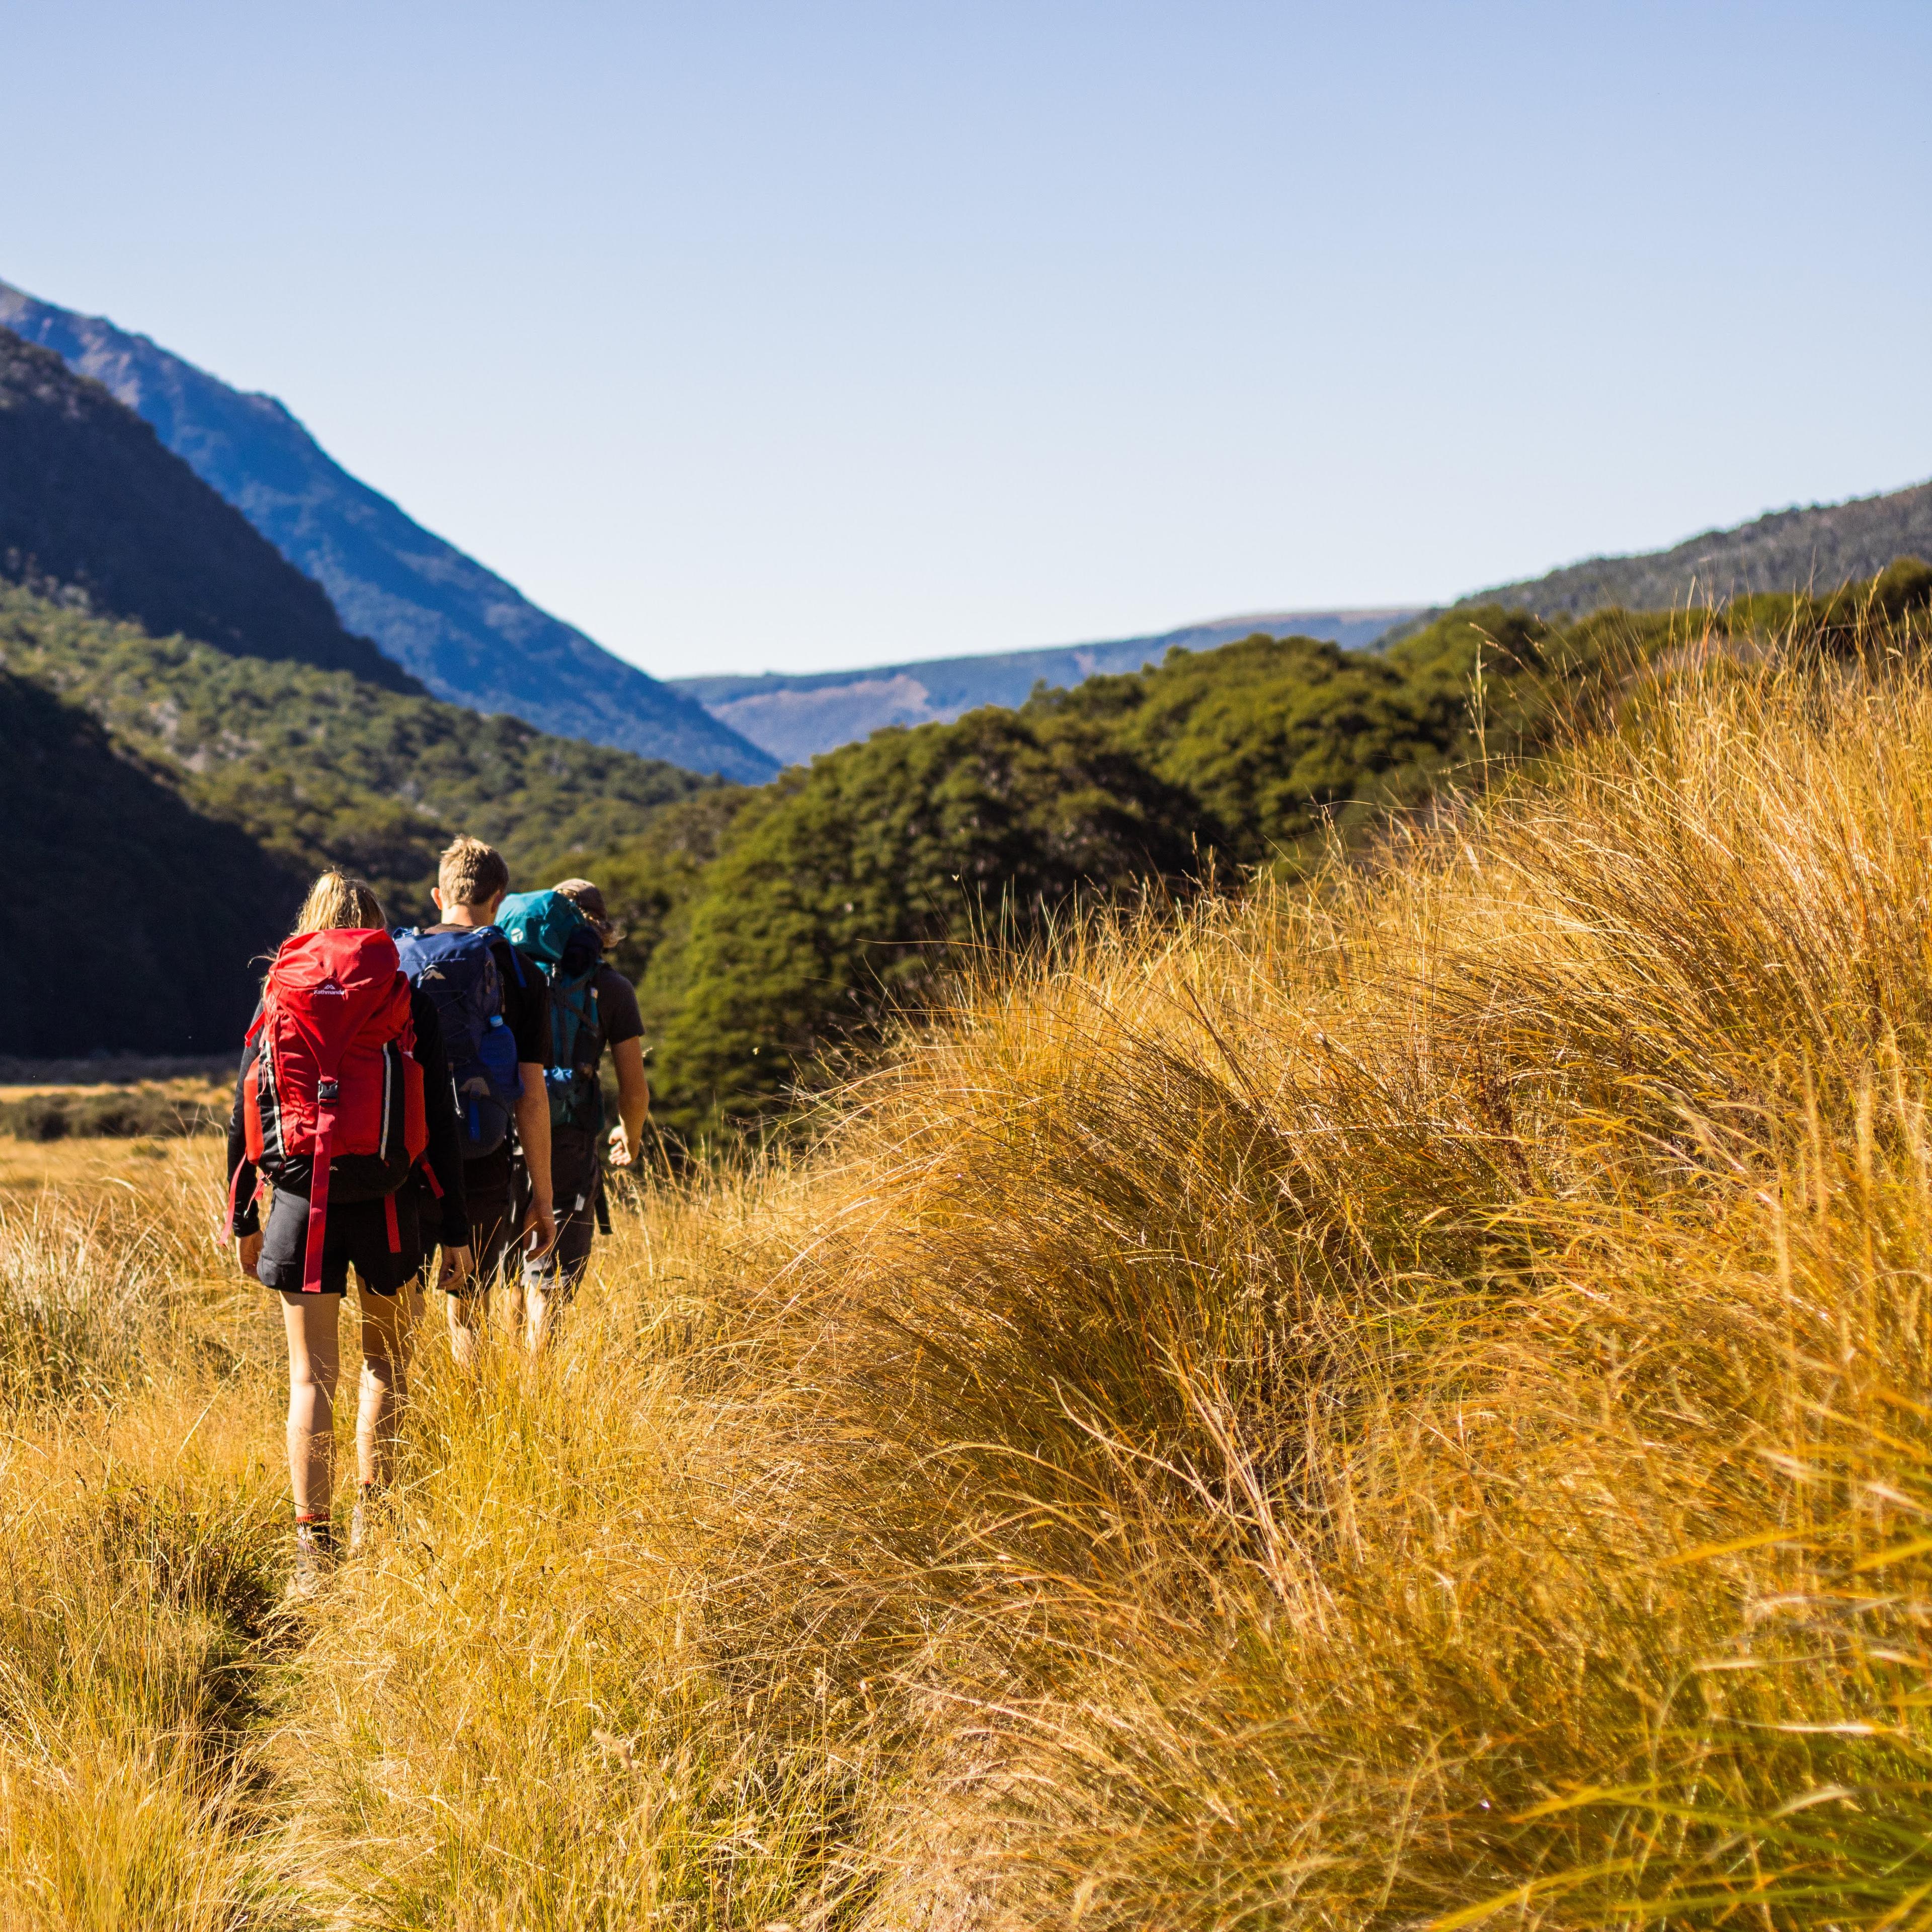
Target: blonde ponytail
pixel 336 900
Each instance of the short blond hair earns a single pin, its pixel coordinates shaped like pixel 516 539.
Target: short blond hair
pixel 335 901
pixel 471 873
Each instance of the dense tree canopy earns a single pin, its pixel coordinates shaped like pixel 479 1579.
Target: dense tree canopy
pixel 841 890
pixel 775 929
pixel 843 894
pixel 321 768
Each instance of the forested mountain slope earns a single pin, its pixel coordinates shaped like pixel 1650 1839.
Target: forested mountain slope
pixel 471 637
pixel 1815 548
pixel 201 791
pixel 133 916
pixel 91 500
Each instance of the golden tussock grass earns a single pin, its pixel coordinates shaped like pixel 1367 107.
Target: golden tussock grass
pixel 1407 1401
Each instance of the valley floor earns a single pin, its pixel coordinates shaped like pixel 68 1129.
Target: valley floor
pixel 1404 1402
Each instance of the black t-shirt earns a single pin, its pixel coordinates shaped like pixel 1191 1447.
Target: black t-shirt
pixel 617 1007
pixel 526 998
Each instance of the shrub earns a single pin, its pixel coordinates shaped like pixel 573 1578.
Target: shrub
pixel 132 1114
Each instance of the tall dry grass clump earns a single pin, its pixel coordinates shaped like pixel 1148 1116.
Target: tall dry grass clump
pixel 511 1716
pixel 1407 1401
pixel 139 1550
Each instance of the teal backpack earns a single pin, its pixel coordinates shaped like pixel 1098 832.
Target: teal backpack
pixel 550 929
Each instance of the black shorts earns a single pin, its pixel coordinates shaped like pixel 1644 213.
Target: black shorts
pixel 579 1182
pixel 489 1191
pixel 488 1196
pixel 360 1231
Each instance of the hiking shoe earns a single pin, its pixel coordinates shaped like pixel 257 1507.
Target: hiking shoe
pixel 315 1563
pixel 363 1519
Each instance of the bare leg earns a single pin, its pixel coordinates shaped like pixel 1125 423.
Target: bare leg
pixel 536 1318
pixel 315 1362
pixel 468 1322
pixel 388 1321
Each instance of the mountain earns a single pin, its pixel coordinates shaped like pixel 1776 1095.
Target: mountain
pixel 795 718
pixel 320 768
pixel 91 501
pixel 1819 547
pixel 166 803
pixel 136 915
pixel 468 636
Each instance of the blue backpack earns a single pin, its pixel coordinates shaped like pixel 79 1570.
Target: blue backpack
pixel 458 971
pixel 549 927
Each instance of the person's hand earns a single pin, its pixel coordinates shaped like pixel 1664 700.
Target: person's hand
pixel 457 1263
pixel 622 1152
pixel 248 1251
pixel 539 1219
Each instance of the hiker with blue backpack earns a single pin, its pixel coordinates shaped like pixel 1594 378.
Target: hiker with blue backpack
pixel 593 1006
pixel 494 1007
pixel 343 1100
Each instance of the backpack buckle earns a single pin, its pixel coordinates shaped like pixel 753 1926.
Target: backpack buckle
pixel 325 1090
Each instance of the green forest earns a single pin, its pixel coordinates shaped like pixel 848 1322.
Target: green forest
pixel 785 936
pixel 171 801
pixel 778 934
pixel 322 768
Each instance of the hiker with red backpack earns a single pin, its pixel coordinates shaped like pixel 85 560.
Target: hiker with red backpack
pixel 344 1090
pixel 494 1007
pixel 592 1007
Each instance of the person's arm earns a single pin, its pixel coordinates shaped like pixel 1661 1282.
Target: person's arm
pixel 246 1225
pixel 533 1132
pixel 526 1006
pixel 445 1152
pixel 633 1100
pixel 625 1033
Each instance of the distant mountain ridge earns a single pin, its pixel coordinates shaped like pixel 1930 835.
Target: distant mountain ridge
pixel 468 635
pixel 92 501
pixel 796 716
pixel 1819 546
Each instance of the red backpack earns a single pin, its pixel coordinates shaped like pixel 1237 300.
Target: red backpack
pixel 336 1079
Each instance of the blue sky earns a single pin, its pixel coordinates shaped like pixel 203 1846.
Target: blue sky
pixel 799 336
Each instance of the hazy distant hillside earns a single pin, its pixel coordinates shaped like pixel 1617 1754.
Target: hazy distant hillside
pixel 795 718
pixel 1821 546
pixel 468 635
pixel 91 500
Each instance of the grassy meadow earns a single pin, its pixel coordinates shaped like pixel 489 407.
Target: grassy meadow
pixel 1405 1401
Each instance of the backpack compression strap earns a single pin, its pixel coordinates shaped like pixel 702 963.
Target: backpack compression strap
pixel 235 1201
pixel 325 1092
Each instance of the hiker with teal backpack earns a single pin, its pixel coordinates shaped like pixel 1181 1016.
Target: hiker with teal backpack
pixel 494 1006
pixel 592 1007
